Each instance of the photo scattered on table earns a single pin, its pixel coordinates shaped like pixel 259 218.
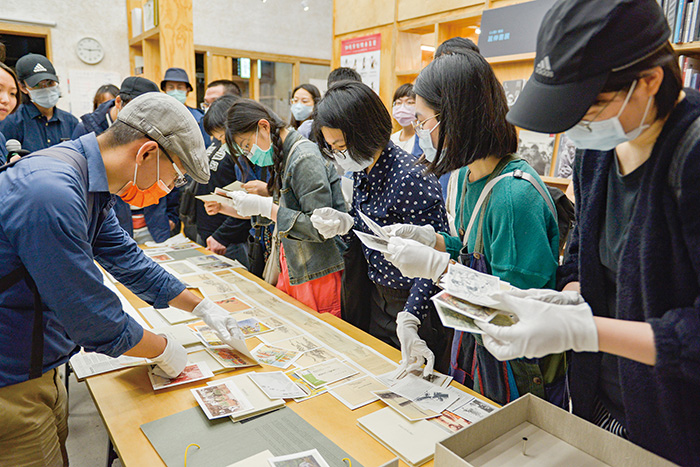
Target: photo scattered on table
pixel 251 327
pixel 221 400
pixel 310 458
pixel 229 358
pixel 161 258
pixel 192 372
pixel 274 356
pixel 451 422
pixel 232 304
pixel 276 385
pixel 406 407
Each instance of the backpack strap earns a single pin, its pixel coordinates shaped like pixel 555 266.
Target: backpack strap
pixel 36 365
pixel 689 140
pixel 482 201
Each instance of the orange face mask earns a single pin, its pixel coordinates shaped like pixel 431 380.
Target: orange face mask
pixel 141 198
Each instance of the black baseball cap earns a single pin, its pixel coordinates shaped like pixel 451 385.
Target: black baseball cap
pixel 176 74
pixel 34 68
pixel 134 86
pixel 580 42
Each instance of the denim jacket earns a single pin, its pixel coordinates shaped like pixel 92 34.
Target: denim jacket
pixel 309 181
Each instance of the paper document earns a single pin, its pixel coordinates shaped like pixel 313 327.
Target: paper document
pixel 373 226
pixel 235 186
pixel 192 372
pixel 274 356
pixel 357 393
pixel 276 385
pixel 86 364
pixel 372 242
pixel 427 395
pixel 326 373
pixel 213 197
pixel 229 358
pixel 310 458
pixel 470 285
pixel 406 407
pixel 221 400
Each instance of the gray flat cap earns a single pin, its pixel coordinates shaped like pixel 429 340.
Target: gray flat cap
pixel 170 124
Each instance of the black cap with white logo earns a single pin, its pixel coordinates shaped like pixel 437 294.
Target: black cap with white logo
pixel 34 68
pixel 579 44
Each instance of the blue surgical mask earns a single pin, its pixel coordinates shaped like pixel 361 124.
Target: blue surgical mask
pixel 426 142
pixel 301 112
pixel 181 96
pixel 259 157
pixel 45 97
pixel 607 134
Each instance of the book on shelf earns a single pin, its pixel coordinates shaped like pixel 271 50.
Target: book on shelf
pixel 682 17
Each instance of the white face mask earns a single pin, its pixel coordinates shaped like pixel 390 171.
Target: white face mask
pixel 607 134
pixel 45 97
pixel 426 143
pixel 347 164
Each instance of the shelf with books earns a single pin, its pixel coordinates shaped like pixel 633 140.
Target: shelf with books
pixel 687 48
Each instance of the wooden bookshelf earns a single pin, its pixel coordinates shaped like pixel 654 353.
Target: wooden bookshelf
pixel 687 48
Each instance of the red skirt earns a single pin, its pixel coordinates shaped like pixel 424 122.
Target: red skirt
pixel 322 294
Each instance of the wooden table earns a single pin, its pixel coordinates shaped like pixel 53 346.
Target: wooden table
pixel 126 400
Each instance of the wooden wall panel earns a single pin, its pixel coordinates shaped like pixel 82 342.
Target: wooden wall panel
pixel 356 15
pixel 410 9
pixel 220 67
pixel 177 39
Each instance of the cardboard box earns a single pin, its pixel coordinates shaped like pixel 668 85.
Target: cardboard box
pixel 554 437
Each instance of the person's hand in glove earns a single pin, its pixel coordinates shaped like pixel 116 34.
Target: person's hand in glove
pixel 414 259
pixel 247 204
pixel 545 325
pixel 414 350
pixel 172 361
pixel 220 320
pixel 555 297
pixel 424 234
pixel 330 222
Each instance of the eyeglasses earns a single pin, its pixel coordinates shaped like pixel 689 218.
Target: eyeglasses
pixel 180 180
pixel 418 126
pixel 335 153
pixel 204 106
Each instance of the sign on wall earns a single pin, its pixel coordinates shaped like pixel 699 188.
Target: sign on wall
pixel 512 29
pixel 363 54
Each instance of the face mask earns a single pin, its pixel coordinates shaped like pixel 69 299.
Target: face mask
pixel 404 114
pixel 259 157
pixel 45 97
pixel 181 96
pixel 426 143
pixel 301 112
pixel 141 198
pixel 347 164
pixel 607 134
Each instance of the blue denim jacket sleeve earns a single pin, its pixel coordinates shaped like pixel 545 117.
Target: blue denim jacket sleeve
pixel 310 184
pixel 118 253
pixel 70 284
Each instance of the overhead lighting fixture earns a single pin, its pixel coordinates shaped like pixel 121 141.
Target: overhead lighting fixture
pixel 478 30
pixel 427 48
pixel 305 5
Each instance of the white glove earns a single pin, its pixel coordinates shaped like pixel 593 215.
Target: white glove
pixel 543 328
pixel 330 222
pixel 248 205
pixel 172 361
pixel 414 259
pixel 424 234
pixel 414 350
pixel 220 320
pixel 569 297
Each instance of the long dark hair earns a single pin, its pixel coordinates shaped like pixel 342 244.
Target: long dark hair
pixel 315 93
pixel 472 107
pixel 14 77
pixel 243 117
pixel 353 108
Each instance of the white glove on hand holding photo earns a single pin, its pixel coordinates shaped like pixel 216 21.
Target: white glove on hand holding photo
pixel 220 320
pixel 543 328
pixel 414 259
pixel 172 361
pixel 424 234
pixel 248 205
pixel 414 350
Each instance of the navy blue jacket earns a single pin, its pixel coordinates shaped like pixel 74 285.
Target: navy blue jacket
pixel 157 216
pixel 95 121
pixel 658 282
pixel 28 126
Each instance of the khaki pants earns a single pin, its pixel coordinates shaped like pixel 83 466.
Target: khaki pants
pixel 34 423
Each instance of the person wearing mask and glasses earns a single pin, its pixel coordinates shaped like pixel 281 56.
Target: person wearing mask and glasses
pixel 304 100
pixel 389 187
pixel 630 306
pixel 38 123
pixel 302 181
pixel 404 112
